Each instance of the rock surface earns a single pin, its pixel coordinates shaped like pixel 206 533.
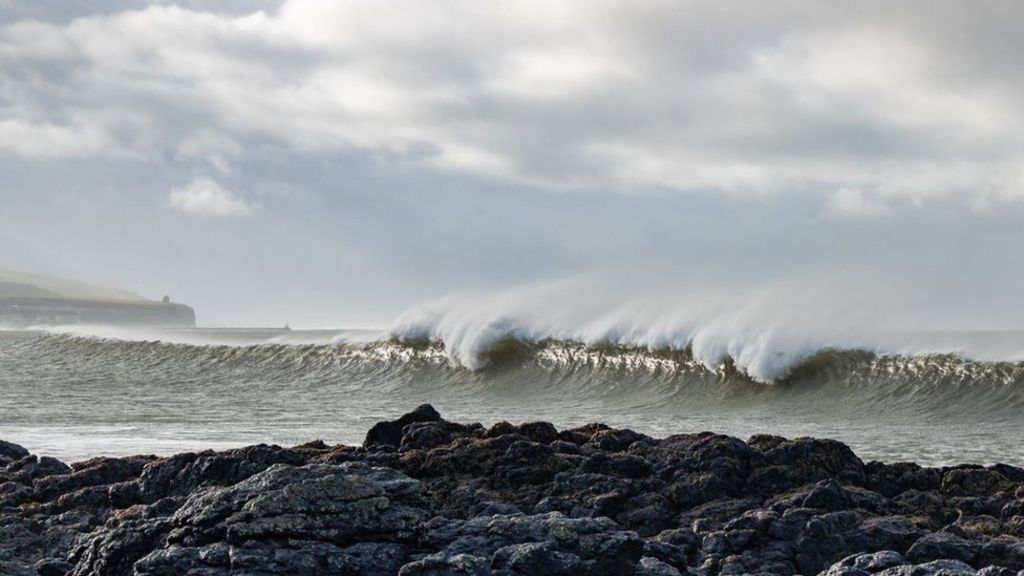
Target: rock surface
pixel 424 496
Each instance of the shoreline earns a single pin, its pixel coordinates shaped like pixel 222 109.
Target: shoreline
pixel 426 496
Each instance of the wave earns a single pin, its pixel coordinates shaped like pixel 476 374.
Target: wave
pixel 892 406
pixel 766 333
pixel 304 355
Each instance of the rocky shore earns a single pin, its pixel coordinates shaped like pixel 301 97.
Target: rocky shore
pixel 424 496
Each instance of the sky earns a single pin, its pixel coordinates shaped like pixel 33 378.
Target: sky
pixel 334 163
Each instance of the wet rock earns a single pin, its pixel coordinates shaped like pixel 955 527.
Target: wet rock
pixel 389 433
pixel 940 545
pixel 184 473
pixel 889 563
pixel 96 472
pixel 9 452
pixel 424 436
pixel 973 482
pixel 996 571
pixel 32 467
pixel 827 495
pixel 53 567
pixel 542 432
pixel 816 459
pixel 541 544
pixel 615 440
pixel 933 568
pixel 428 496
pixel 650 566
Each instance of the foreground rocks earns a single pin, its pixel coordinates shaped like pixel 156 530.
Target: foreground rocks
pixel 425 496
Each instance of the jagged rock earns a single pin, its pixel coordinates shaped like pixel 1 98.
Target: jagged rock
pixel 650 566
pixel 27 469
pixel 937 546
pixel 425 496
pixel 973 482
pixel 933 568
pixel 889 563
pixel 10 452
pixel 390 432
pixel 183 473
pixel 540 544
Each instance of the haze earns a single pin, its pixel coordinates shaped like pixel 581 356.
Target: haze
pixel 336 163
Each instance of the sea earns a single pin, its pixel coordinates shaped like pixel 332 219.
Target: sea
pixel 936 398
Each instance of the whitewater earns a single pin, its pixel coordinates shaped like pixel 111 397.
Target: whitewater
pixel 898 371
pixel 84 392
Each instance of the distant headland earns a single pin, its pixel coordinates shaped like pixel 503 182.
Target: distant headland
pixel 28 300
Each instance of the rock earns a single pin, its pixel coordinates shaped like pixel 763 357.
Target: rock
pixel 10 452
pixel 653 567
pixel 827 495
pixel 424 436
pixel 996 571
pixel 320 510
pixel 937 546
pixel 389 433
pixel 542 432
pixel 889 563
pixel 425 496
pixel 973 482
pixel 542 544
pixel 96 472
pixel 875 561
pixel 30 468
pixel 933 568
pixel 53 567
pixel 183 473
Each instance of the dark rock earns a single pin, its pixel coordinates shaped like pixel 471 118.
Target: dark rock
pixel 973 482
pixel 10 452
pixel 650 566
pixel 424 436
pixel 542 544
pixel 96 472
pixel 996 571
pixel 29 468
pixel 615 440
pixel 53 567
pixel 389 433
pixel 542 432
pixel 933 568
pixel 827 495
pixel 428 496
pixel 183 473
pixel 940 545
pixel 818 460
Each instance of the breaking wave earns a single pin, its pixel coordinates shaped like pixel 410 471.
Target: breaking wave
pixel 871 380
pixel 188 389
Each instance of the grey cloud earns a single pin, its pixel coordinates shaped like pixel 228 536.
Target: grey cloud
pixel 681 95
pixel 401 150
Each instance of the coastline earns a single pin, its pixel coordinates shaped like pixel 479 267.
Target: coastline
pixel 428 496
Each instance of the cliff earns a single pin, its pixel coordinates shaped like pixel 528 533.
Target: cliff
pixel 28 299
pixel 22 312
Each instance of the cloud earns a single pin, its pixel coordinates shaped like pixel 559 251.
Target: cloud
pixel 583 94
pixel 855 203
pixel 204 196
pixel 45 140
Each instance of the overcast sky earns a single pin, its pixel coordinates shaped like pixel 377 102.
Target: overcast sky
pixel 332 163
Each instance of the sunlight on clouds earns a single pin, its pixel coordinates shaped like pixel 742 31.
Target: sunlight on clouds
pixel 569 96
pixel 855 203
pixel 45 140
pixel 204 196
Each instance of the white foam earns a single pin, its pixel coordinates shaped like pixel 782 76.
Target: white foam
pixel 766 330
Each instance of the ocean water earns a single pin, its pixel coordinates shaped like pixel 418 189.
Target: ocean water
pixel 930 397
